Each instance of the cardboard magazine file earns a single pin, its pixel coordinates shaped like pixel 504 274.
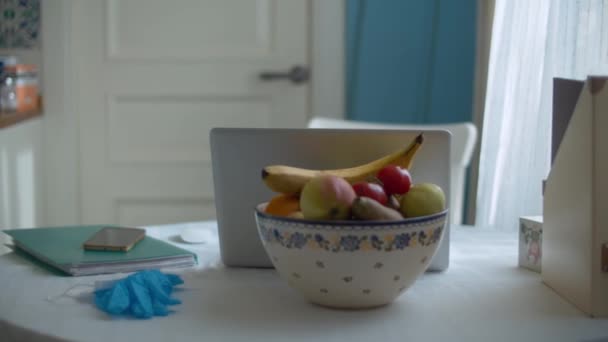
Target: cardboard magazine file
pixel 575 228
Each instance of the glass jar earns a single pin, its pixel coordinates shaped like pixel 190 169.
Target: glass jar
pixel 19 88
pixel 8 97
pixel 5 62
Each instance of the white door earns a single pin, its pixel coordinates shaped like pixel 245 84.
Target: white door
pixel 153 77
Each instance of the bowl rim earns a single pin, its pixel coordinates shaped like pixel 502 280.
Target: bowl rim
pixel 376 223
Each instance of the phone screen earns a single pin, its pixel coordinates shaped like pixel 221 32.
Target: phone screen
pixel 114 239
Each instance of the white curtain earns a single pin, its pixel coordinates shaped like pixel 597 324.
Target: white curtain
pixel 532 42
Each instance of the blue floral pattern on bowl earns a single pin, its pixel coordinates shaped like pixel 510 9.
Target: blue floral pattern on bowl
pixel 349 243
pixel 367 236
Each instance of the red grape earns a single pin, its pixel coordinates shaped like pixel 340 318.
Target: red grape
pixel 395 180
pixel 371 190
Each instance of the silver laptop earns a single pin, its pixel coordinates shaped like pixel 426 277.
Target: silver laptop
pixel 239 154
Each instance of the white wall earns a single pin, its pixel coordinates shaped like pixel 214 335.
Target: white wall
pixel 328 58
pixel 485 18
pixel 61 151
pixel 21 183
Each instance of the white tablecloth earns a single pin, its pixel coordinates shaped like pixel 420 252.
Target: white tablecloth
pixel 483 296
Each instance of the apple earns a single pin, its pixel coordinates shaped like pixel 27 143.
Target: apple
pixel 422 199
pixel 395 180
pixel 327 197
pixel 371 190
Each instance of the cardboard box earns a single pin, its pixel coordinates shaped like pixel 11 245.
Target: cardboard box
pixel 575 213
pixel 530 242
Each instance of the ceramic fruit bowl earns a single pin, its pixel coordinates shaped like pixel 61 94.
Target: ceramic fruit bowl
pixel 350 264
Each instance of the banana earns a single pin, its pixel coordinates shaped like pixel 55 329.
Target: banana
pixel 290 180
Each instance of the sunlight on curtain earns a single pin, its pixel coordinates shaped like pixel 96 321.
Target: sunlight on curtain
pixel 532 42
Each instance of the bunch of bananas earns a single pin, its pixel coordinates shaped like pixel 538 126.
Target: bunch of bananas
pixel 291 180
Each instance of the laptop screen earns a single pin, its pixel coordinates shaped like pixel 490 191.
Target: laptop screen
pixel 239 154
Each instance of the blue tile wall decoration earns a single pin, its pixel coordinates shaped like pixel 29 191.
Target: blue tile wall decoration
pixel 19 24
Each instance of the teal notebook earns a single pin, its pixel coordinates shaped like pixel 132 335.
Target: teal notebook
pixel 61 247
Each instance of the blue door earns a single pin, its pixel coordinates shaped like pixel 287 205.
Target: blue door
pixel 410 61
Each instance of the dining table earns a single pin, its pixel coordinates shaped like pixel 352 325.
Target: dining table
pixel 482 296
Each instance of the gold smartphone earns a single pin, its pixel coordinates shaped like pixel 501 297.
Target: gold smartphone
pixel 119 239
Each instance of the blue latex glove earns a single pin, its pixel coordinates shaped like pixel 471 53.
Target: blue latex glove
pixel 143 294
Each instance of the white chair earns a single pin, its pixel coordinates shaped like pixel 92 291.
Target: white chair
pixel 464 137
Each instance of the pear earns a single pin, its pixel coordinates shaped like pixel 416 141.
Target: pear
pixel 365 208
pixel 423 199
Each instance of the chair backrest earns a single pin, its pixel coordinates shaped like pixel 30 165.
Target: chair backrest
pixel 464 137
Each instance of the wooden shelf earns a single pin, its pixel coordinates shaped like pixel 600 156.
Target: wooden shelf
pixel 10 119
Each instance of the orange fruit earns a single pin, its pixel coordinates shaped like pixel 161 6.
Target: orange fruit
pixel 283 205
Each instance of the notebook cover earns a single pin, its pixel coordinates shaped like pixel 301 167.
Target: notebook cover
pixel 63 246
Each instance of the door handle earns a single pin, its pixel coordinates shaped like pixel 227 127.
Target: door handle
pixel 297 75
